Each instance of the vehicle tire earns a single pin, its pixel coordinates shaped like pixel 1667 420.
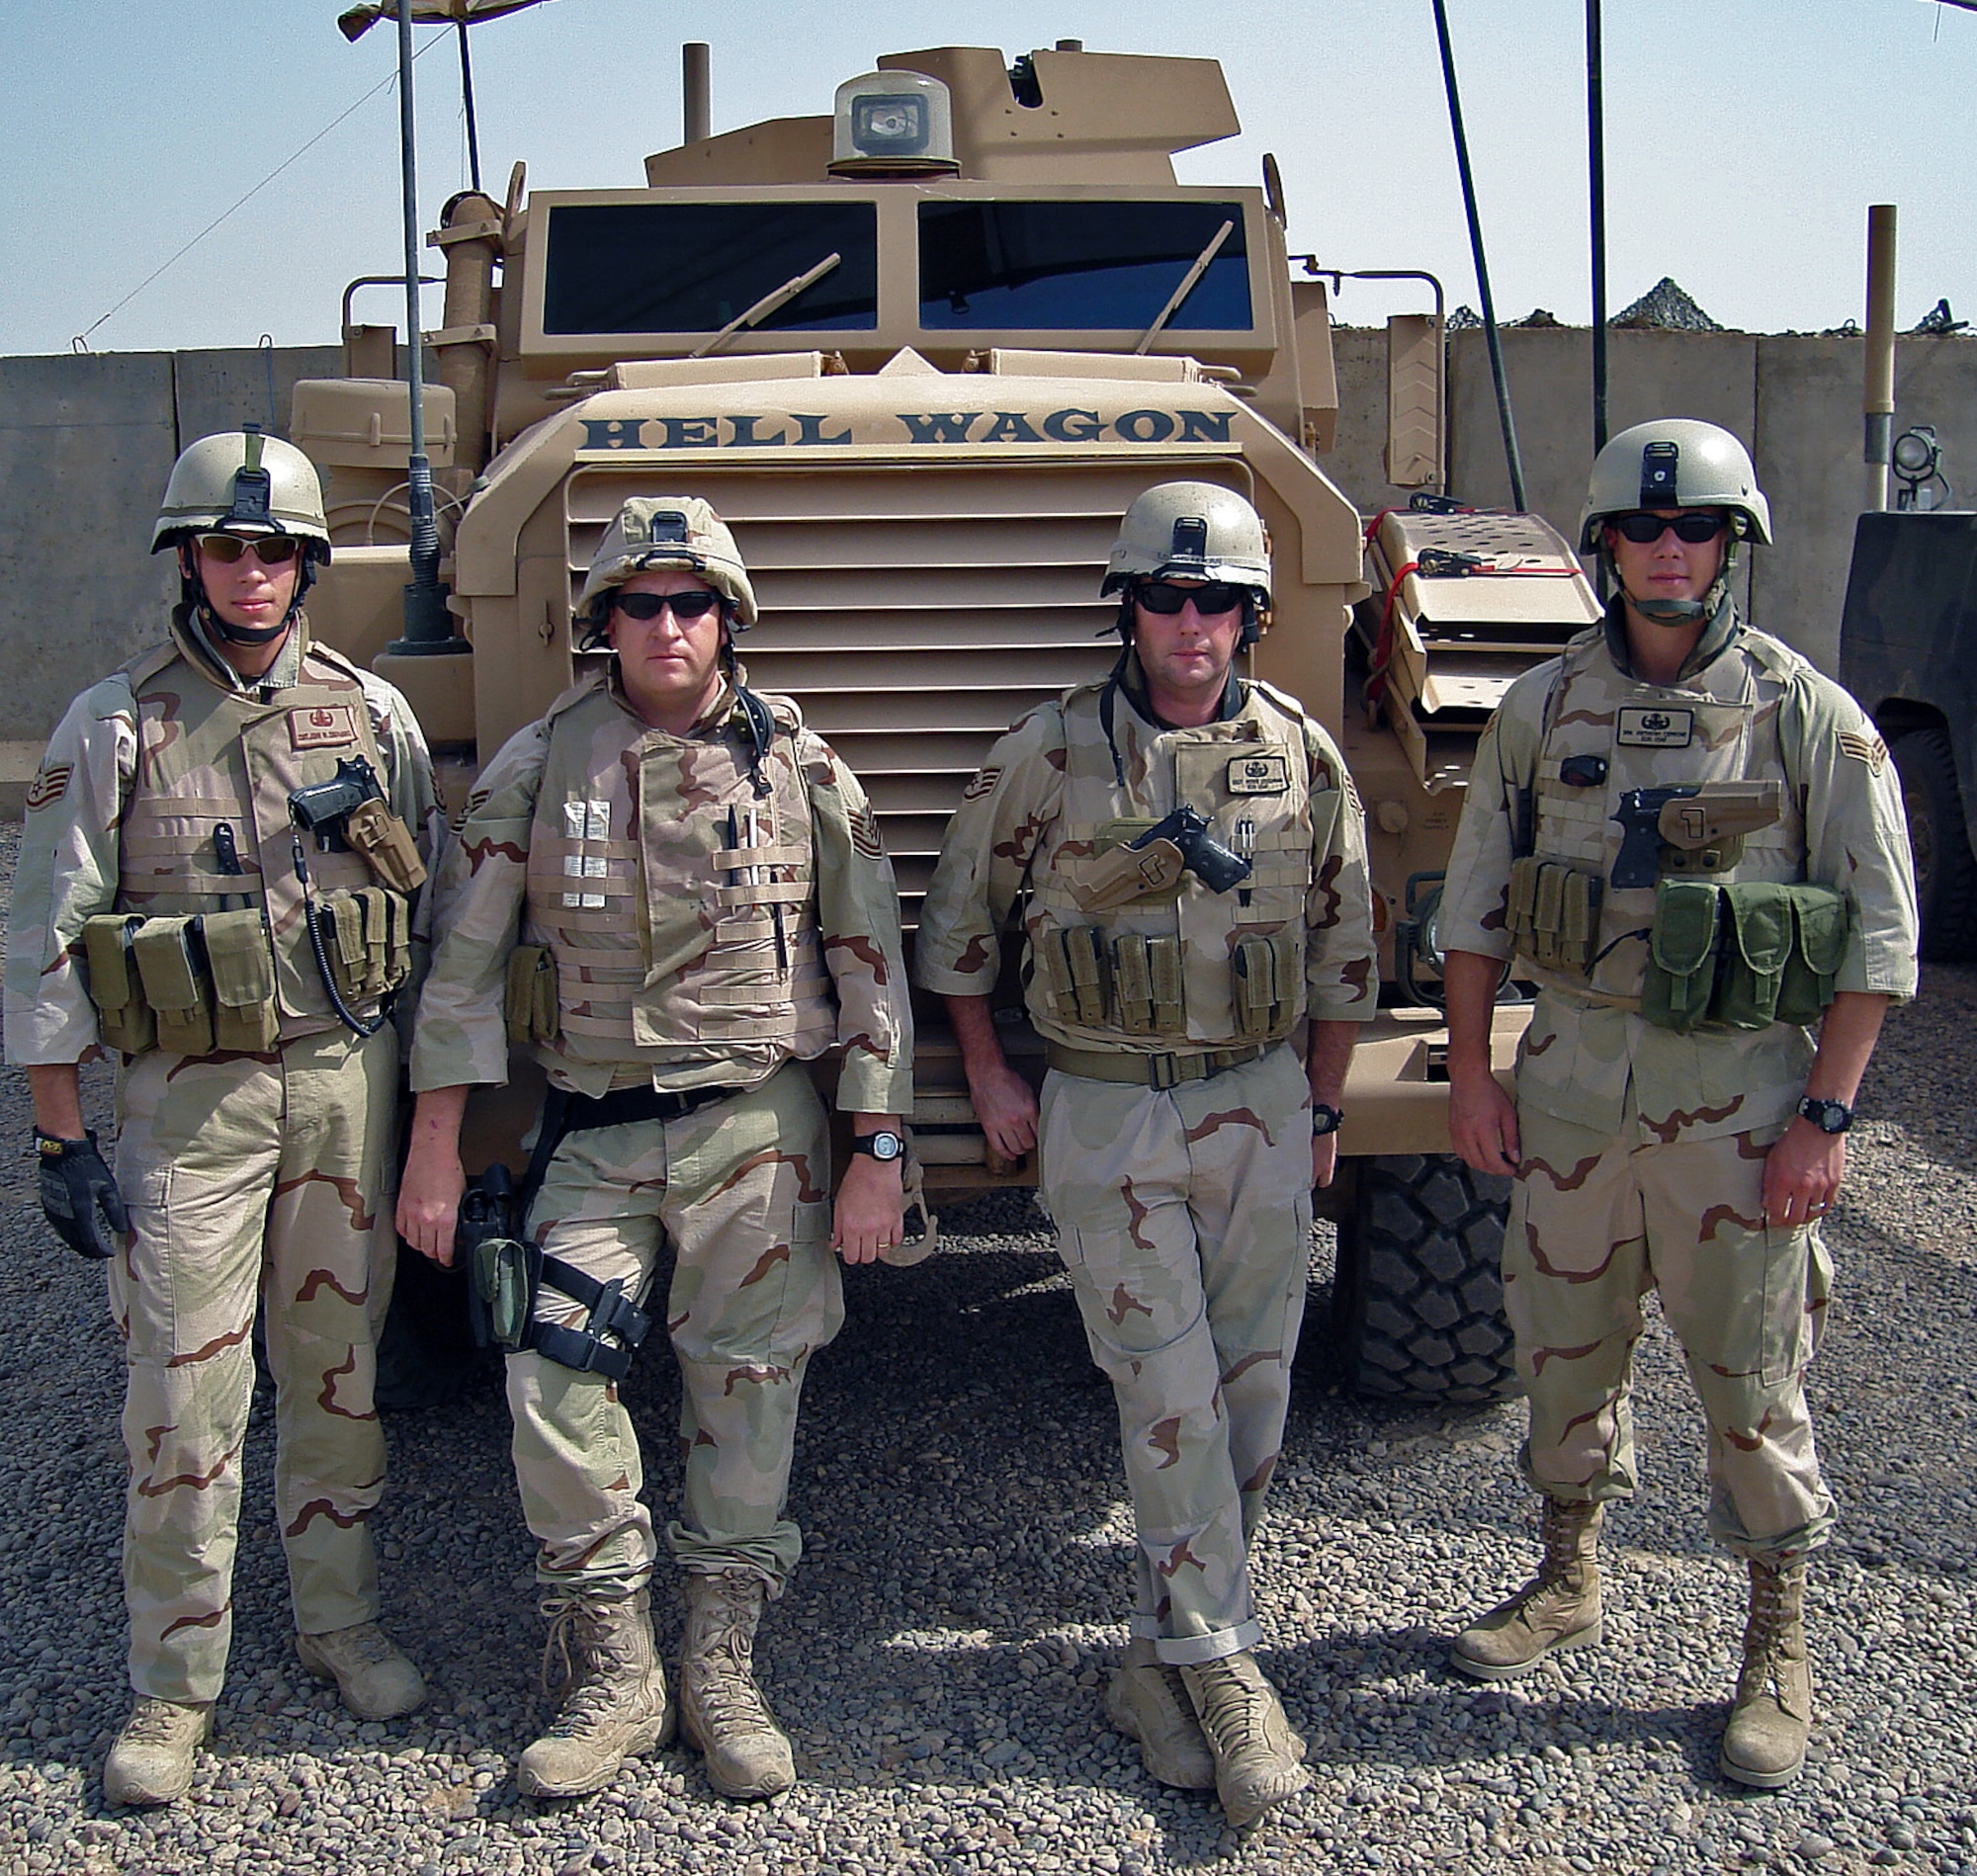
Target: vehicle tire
pixel 1945 872
pixel 1418 1305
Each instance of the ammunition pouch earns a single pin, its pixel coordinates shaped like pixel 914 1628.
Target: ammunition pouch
pixel 1743 956
pixel 1269 982
pixel 367 934
pixel 530 1002
pixel 1554 913
pixel 246 1016
pixel 1682 948
pixel 123 1018
pixel 177 989
pixel 1146 985
pixel 204 984
pixel 1135 982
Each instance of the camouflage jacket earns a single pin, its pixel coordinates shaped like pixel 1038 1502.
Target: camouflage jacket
pixel 1745 707
pixel 97 771
pixel 685 953
pixel 1051 799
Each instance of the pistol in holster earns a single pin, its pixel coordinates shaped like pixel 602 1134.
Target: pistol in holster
pixel 1697 827
pixel 1153 863
pixel 349 813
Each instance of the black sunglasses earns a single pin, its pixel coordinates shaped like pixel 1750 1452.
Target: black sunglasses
pixel 1161 596
pixel 271 549
pixel 685 607
pixel 1694 528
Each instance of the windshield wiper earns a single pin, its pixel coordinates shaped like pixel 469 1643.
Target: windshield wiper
pixel 783 294
pixel 1186 286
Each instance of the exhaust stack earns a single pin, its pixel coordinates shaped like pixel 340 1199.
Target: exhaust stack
pixel 696 96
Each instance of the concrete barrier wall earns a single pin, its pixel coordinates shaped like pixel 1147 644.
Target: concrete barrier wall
pixel 86 443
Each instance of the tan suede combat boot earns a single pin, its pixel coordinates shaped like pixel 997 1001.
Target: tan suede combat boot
pixel 615 1705
pixel 1558 1610
pixel 375 1679
pixel 152 1761
pixel 1148 1701
pixel 721 1711
pixel 1765 1743
pixel 1257 1753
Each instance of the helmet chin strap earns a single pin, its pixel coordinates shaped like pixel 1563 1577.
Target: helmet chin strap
pixel 1683 612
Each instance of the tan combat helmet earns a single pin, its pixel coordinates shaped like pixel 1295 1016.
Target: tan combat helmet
pixel 245 482
pixel 664 531
pixel 1191 531
pixel 1674 463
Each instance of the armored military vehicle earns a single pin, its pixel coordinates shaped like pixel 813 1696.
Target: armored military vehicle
pixel 921 353
pixel 1908 650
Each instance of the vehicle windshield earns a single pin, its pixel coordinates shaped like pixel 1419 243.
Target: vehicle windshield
pixel 693 265
pixel 1078 266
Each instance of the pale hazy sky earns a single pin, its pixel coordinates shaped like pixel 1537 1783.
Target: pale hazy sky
pixel 1745 141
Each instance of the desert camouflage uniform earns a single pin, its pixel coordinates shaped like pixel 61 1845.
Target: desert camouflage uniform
pixel 246 1176
pixel 607 844
pixel 1184 1215
pixel 1643 1150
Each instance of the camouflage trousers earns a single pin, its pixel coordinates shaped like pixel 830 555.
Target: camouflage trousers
pixel 1184 1221
pixel 1596 1222
pixel 741 1192
pixel 250 1176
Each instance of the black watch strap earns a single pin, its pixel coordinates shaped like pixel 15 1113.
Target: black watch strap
pixel 1830 1117
pixel 883 1145
pixel 1325 1119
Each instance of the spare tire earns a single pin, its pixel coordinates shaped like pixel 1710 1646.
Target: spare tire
pixel 1418 1304
pixel 1940 834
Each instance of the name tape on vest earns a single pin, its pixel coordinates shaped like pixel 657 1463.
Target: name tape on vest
pixel 322 726
pixel 1259 775
pixel 1656 728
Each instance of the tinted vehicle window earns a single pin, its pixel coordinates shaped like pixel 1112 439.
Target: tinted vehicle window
pixel 693 265
pixel 1084 266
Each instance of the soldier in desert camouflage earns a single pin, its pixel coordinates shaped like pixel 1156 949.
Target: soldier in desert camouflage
pixel 1190 856
pixel 1694 843
pixel 160 910
pixel 676 893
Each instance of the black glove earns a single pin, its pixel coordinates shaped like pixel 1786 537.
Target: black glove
pixel 75 1186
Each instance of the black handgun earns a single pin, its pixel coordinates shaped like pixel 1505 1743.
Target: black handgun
pixel 1217 867
pixel 1714 812
pixel 321 808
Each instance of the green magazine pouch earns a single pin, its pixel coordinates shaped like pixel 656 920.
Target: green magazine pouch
pixel 1682 948
pixel 1820 929
pixel 244 1013
pixel 123 1018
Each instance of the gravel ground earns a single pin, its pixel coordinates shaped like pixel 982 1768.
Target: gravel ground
pixel 939 1658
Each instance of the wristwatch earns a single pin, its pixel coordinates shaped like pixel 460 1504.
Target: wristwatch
pixel 1830 1117
pixel 885 1145
pixel 1325 1119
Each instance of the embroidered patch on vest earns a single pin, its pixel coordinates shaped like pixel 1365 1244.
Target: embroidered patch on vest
pixel 49 786
pixel 1259 775
pixel 324 727
pixel 1869 749
pixel 1656 728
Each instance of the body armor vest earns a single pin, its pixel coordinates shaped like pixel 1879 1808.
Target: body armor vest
pixel 1188 962
pixel 675 903
pixel 206 827
pixel 1720 726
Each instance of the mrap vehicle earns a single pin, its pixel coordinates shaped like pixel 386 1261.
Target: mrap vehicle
pixel 921 353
